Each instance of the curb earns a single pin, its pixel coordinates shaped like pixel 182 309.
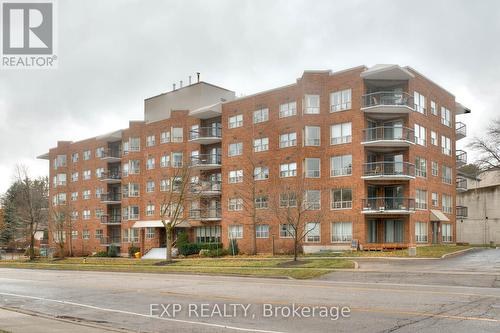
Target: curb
pixel 458 253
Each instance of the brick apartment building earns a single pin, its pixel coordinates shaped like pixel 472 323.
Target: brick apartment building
pixel 372 148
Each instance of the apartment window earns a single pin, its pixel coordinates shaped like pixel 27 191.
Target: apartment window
pixel 340 100
pixel 98 192
pixel 177 184
pixel 435 168
pixel 74 196
pixel 341 198
pixel 235 231
pixel 99 172
pixel 261 144
pixel 165 185
pixel 340 133
pixel 312 199
pixel 86 155
pixel 341 165
pixel 59 161
pixel 446 232
pixel 61 179
pixel 313 231
pixel 235 121
pixel 421 232
pixel 86 234
pixel 134 144
pixel 434 138
pixel 235 176
pixel 419 101
pixel 150 209
pixel 435 199
pixel 341 232
pixel 286 231
pixel 288 170
pixel 99 152
pixel 262 202
pixel 61 198
pixel 74 234
pixel 421 199
pixel 261 173
pixel 311 104
pixel 165 160
pixel 235 204
pixel 262 231
pixel 208 234
pixel 288 109
pixel 177 134
pixel 446 203
pixel 74 157
pixel 434 108
pixel 133 190
pixel 86 214
pixel 86 194
pixel 134 167
pixel 133 213
pixel 288 140
pixel 445 116
pixel 150 232
pixel 445 145
pixel 446 174
pixel 420 135
pixel 420 166
pixel 150 163
pixel 74 215
pixel 87 174
pixel 177 159
pixel 312 136
pixel 312 167
pixel 74 177
pixel 99 212
pixel 125 169
pixel 261 115
pixel 288 200
pixel 150 140
pixel 150 186
pixel 165 137
pixel 235 149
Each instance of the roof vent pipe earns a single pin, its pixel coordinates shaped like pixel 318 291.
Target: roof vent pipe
pixel 189 79
pixel 180 84
pixel 173 86
pixel 198 75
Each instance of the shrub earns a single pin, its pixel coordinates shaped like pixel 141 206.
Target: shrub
pixel 182 239
pixel 213 253
pixel 36 251
pixel 233 247
pixel 101 254
pixel 132 250
pixel 112 251
pixel 195 248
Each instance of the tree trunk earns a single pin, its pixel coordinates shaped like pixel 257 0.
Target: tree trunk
pixel 32 243
pixel 295 246
pixel 168 243
pixel 254 239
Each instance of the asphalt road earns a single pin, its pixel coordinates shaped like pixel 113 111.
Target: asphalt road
pixel 384 296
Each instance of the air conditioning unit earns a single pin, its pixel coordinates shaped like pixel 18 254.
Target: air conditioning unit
pixel 381 209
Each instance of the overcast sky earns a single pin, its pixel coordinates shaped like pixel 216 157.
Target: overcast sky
pixel 113 54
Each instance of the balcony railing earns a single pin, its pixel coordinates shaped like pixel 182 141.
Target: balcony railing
pixel 111 219
pixel 110 240
pixel 460 130
pixel 388 170
pixel 388 133
pixel 111 197
pixel 206 132
pixel 206 186
pixel 461 211
pixel 389 205
pixel 387 98
pixel 461 157
pixel 205 160
pixel 111 175
pixel 205 214
pixel 461 184
pixel 111 154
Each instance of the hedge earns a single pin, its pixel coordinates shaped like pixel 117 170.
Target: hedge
pixel 194 248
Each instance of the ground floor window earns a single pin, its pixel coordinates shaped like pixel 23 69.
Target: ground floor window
pixel 150 232
pixel 208 234
pixel 372 231
pixel 313 231
pixel 235 231
pixel 262 231
pixel 130 235
pixel 74 234
pixel 446 232
pixel 98 234
pixel 86 234
pixel 421 232
pixel 286 231
pixel 393 231
pixel 341 232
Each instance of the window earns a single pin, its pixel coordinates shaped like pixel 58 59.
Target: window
pixel 341 232
pixel 74 177
pixel 86 194
pixel 99 172
pixel 86 155
pixel 446 174
pixel 150 209
pixel 435 199
pixel 165 185
pixel 288 109
pixel 150 232
pixel 288 170
pixel 133 190
pixel 150 140
pixel 150 163
pixel 340 100
pixel 208 234
pixel 260 116
pixel 420 166
pixel 288 200
pixel 313 231
pixel 74 215
pixel 177 158
pixel 86 214
pixel 420 135
pixel 421 199
pixel 99 152
pixel 312 168
pixel 177 134
pixel 434 138
pixel 419 101
pixel 261 144
pixel 86 234
pixel 341 165
pixel 59 161
pixel 99 212
pixel 235 204
pixel 235 176
pixel 340 133
pixel 61 199
pixel 261 173
pixel 98 192
pixel 288 140
pixel 235 149
pixel 445 145
pixel 421 232
pixel 434 108
pixel 87 174
pixel 446 201
pixel 311 104
pixel 286 231
pixel 312 200
pixel 176 184
pixel 435 168
pixel 165 137
pixel 312 136
pixel 262 202
pixel 446 233
pixel 74 157
pixel 445 116
pixel 74 234
pixel 134 167
pixel 150 186
pixel 74 196
pixel 341 198
pixel 165 160
pixel 235 121
pixel 133 213
pixel 61 179
pixel 134 144
pixel 235 231
pixel 262 231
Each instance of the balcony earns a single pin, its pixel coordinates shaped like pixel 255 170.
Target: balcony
pixel 388 206
pixel 110 240
pixel 206 135
pixel 111 219
pixel 460 130
pixel 206 162
pixel 461 157
pixel 388 136
pixel 461 184
pixel 206 215
pixel 111 155
pixel 387 102
pixel 461 211
pixel 206 188
pixel 388 171
pixel 111 177
pixel 111 198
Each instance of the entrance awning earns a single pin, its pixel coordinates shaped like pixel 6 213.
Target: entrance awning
pixel 158 224
pixel 437 215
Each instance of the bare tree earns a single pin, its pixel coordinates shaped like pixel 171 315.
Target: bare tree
pixel 61 228
pixel 488 147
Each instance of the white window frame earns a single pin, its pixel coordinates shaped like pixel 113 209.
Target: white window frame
pixel 312 142
pixel 235 121
pixel 344 170
pixel 288 170
pixel 290 140
pixel 312 104
pixel 261 115
pixel 345 232
pixel 235 149
pixel 341 100
pixel 345 133
pixel 235 176
pixel 288 109
pixel 312 173
pixel 261 144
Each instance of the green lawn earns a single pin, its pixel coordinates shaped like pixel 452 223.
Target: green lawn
pixel 435 251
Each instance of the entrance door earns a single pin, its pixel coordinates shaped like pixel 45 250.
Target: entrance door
pixel 435 232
